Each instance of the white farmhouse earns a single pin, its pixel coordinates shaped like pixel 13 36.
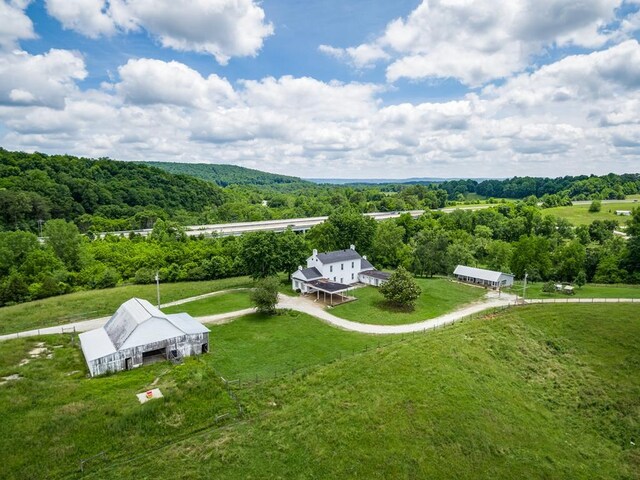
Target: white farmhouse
pixel 335 272
pixel 480 276
pixel 139 333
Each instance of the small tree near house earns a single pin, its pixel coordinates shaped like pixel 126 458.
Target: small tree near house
pixel 265 295
pixel 401 289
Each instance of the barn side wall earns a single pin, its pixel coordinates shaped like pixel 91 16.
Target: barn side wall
pixel 185 345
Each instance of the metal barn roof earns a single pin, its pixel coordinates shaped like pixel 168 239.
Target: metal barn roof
pixel 480 273
pixel 136 323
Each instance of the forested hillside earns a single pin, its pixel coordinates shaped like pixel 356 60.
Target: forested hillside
pixel 584 187
pixel 224 175
pixel 37 187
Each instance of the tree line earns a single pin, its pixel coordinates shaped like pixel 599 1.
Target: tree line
pixel 510 237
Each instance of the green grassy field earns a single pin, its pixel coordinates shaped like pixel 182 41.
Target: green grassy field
pixel 223 303
pixel 580 215
pixel 70 417
pixel 256 345
pixel 438 296
pixel 534 392
pixel 534 290
pixel 96 303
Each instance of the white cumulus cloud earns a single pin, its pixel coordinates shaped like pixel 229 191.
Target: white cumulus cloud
pixel 222 28
pixel 476 41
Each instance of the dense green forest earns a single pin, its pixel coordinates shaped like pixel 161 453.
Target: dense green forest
pixel 40 187
pixel 69 197
pixel 224 175
pixel 106 195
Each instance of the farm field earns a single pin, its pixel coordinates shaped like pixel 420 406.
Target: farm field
pixel 534 290
pixel 54 399
pixel 533 392
pixel 222 303
pixel 438 296
pixel 96 303
pixel 580 215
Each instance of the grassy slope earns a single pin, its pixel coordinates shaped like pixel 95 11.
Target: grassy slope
pixel 580 215
pixel 540 392
pixel 96 303
pixel 53 417
pixel 534 290
pixel 439 296
pixel 536 392
pixel 223 303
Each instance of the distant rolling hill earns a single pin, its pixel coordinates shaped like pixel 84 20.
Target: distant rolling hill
pixel 224 175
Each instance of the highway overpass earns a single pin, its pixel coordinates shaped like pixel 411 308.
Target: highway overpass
pixel 296 224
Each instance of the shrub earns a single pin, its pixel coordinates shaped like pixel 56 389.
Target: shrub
pixel 401 289
pixel 265 295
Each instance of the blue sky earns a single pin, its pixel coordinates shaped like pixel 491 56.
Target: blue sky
pixel 355 89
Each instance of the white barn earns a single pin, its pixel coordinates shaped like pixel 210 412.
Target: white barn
pixel 341 268
pixel 485 278
pixel 139 333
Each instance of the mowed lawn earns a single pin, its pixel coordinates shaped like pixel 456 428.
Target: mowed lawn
pixel 535 392
pixel 261 346
pixel 534 290
pixel 98 303
pixel 221 303
pixel 580 215
pixel 438 297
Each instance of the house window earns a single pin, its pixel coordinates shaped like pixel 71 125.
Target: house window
pixel 334 279
pixel 331 268
pixel 342 266
pixel 352 276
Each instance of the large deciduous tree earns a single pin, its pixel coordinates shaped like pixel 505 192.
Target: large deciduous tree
pixel 387 244
pixel 260 254
pixel 430 255
pixel 532 255
pixel 64 238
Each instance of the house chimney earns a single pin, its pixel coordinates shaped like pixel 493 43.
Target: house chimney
pixel 299 267
pixel 364 256
pixel 315 252
pixel 352 247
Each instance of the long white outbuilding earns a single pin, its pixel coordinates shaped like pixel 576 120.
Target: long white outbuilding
pixel 485 278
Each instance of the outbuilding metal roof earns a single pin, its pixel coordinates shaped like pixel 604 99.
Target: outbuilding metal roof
pixel 480 273
pixel 376 274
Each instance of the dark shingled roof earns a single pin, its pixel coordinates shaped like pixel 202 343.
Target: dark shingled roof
pixel 329 287
pixel 338 256
pixel 311 273
pixel 366 265
pixel 376 274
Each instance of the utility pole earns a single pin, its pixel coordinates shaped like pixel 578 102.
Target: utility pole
pixel 158 287
pixel 524 290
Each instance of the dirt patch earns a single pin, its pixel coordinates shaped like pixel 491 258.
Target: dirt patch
pixel 23 362
pixel 40 350
pixel 11 378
